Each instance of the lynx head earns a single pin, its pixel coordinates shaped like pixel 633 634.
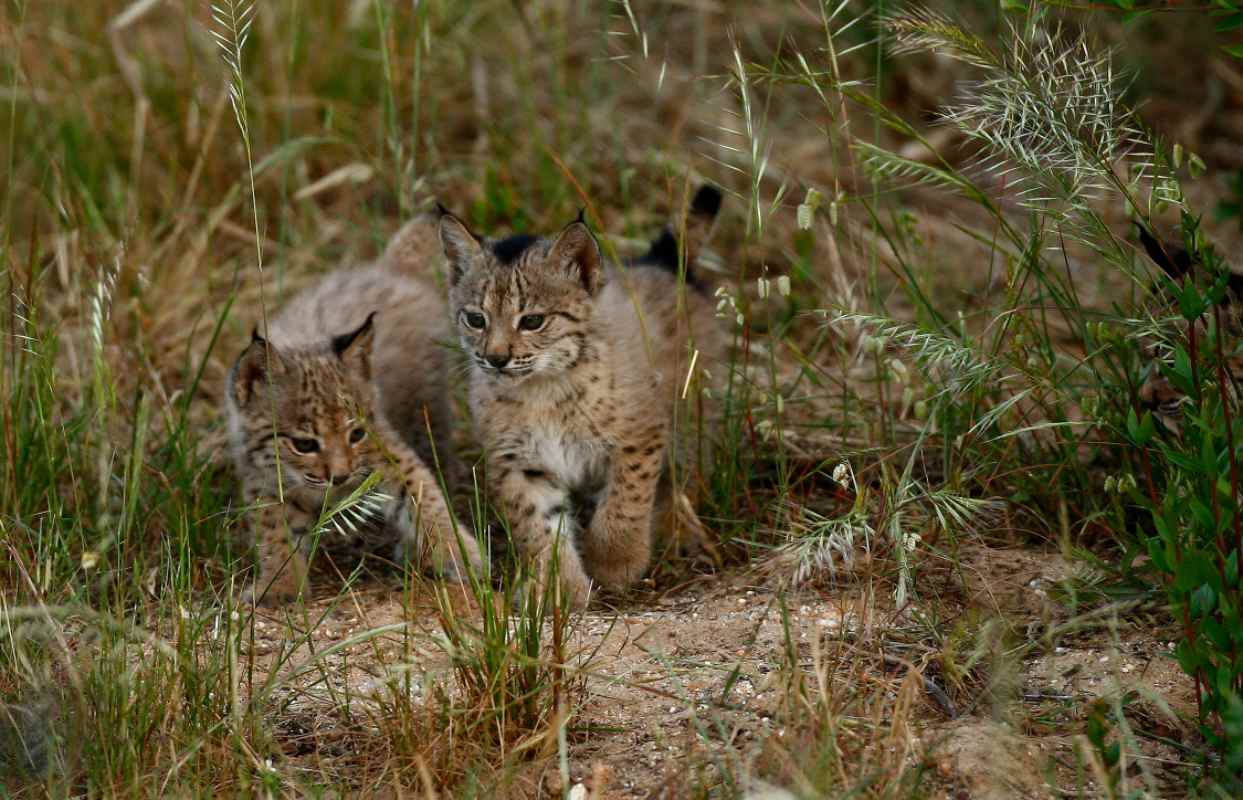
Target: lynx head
pixel 319 401
pixel 523 304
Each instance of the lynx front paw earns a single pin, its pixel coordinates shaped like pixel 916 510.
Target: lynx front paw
pixel 447 560
pixel 274 595
pixel 577 590
pixel 617 554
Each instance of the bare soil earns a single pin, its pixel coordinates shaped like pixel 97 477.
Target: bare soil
pixel 679 679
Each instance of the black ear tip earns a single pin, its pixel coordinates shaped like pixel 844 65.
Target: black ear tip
pixel 707 201
pixel 442 211
pixel 255 337
pixel 582 215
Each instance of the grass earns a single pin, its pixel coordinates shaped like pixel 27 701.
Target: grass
pixel 931 366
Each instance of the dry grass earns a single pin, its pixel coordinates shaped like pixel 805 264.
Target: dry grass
pixel 138 208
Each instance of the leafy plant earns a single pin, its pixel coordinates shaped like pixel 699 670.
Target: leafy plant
pixel 1191 488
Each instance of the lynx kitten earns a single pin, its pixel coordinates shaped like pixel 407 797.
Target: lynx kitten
pixel 345 384
pixel 576 368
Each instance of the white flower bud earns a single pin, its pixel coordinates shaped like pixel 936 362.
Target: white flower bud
pixel 804 216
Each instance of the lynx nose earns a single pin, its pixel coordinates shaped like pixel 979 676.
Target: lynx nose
pixel 497 360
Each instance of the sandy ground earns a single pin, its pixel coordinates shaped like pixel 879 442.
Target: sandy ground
pixel 685 679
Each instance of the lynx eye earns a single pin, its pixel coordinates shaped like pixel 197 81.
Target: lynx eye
pixel 304 446
pixel 357 435
pixel 532 322
pixel 475 320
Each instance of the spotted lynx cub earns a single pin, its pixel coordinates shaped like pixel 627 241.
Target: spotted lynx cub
pixel 348 371
pixel 576 368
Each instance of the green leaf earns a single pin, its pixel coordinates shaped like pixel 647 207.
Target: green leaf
pixel 1229 22
pixel 1157 552
pixel 1140 429
pixel 1188 657
pixel 1203 601
pixel 1190 303
pixel 1180 372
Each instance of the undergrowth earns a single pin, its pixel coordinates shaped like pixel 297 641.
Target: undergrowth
pixel 1010 324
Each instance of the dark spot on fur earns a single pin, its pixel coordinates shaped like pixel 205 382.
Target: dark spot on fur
pixel 508 250
pixel 707 202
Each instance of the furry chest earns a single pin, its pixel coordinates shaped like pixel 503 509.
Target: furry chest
pixel 577 462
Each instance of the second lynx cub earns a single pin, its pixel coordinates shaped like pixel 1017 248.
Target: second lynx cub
pixel 577 366
pixel 343 387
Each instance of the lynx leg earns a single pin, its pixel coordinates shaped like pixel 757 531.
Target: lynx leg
pixel 542 522
pixel 618 546
pixel 429 535
pixel 282 562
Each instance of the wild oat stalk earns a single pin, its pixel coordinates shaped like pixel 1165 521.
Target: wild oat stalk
pixel 820 545
pixel 957 364
pixel 364 506
pixel 922 29
pixel 232 19
pixel 1050 115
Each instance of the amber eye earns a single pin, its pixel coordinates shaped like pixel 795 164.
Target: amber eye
pixel 475 320
pixel 304 446
pixel 357 435
pixel 531 322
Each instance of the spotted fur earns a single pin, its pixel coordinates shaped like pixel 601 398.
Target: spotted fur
pixel 346 384
pixel 577 366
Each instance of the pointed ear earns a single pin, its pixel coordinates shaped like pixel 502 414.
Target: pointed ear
pixel 577 253
pixel 415 249
pixel 462 248
pixel 259 362
pixel 354 348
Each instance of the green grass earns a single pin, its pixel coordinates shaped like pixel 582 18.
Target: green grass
pixel 972 368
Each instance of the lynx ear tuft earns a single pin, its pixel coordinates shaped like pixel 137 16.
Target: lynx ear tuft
pixel 577 252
